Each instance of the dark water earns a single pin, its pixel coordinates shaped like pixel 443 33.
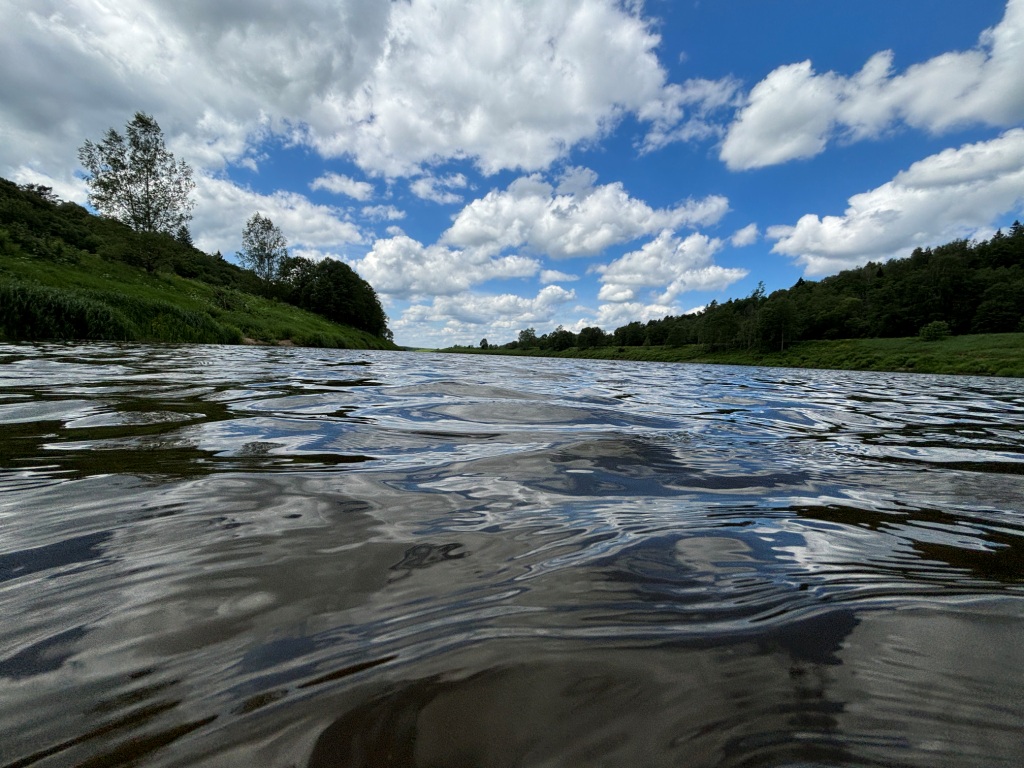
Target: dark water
pixel 281 557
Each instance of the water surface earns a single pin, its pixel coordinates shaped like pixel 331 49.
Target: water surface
pixel 224 556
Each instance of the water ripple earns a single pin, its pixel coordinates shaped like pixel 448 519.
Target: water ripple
pixel 214 556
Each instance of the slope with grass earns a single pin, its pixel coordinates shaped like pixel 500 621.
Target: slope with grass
pixel 65 274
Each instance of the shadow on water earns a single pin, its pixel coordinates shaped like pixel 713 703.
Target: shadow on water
pixel 620 706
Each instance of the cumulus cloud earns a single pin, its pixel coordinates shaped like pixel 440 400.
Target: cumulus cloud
pixel 577 219
pixel 439 189
pixel 510 86
pixel 672 265
pixel 794 112
pixel 548 276
pixel 383 213
pixel 340 184
pixel 688 112
pixel 401 266
pixel 954 193
pixel 467 316
pixel 746 236
pixel 611 316
pixel 788 117
pixel 480 309
pixel 223 208
pixel 394 86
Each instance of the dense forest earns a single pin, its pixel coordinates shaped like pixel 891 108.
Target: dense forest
pixel 958 288
pixel 35 225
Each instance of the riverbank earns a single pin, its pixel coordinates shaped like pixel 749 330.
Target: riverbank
pixel 996 354
pixel 98 299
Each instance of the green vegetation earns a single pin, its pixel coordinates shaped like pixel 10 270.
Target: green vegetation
pixel 134 178
pixel 66 274
pixel 980 355
pixel 910 314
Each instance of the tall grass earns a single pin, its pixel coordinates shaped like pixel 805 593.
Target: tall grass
pixel 39 312
pixel 29 311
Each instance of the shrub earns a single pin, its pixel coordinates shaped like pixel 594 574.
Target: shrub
pixel 934 331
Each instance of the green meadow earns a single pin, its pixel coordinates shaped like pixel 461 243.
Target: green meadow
pixel 996 354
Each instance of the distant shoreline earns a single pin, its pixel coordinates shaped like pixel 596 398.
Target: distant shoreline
pixel 995 354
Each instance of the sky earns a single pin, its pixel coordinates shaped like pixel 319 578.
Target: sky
pixel 490 166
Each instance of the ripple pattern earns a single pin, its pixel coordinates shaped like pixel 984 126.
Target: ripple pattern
pixel 222 556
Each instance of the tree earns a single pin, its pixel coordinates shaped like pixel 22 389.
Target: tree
pixel 484 344
pixel 135 179
pixel 562 339
pixel 41 191
pixel 527 338
pixel 591 337
pixel 264 248
pixel 183 236
pixel 333 290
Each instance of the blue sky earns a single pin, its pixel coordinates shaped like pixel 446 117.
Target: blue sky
pixel 491 165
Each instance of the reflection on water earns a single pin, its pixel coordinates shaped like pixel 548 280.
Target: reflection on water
pixel 225 556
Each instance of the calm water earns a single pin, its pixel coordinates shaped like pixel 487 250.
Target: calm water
pixel 283 557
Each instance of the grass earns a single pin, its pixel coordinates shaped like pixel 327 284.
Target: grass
pixel 93 298
pixel 998 354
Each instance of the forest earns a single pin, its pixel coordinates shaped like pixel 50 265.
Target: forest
pixel 959 288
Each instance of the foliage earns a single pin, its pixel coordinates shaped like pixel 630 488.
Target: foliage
pixel 264 248
pixel 332 289
pixel 981 355
pixel 65 274
pixel 970 287
pixel 135 179
pixel 936 330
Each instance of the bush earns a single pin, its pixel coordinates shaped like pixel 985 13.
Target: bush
pixel 934 331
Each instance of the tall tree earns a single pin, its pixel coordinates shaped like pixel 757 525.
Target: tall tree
pixel 264 248
pixel 135 179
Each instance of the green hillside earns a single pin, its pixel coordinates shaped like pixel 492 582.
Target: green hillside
pixel 66 274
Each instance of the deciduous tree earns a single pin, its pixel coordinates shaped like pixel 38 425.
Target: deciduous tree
pixel 135 179
pixel 264 248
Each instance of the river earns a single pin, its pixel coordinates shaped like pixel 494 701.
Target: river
pixel 243 556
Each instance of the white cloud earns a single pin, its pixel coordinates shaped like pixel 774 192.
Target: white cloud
pixel 749 235
pixel 672 265
pixel 794 112
pixel 395 86
pixel 403 267
pixel 465 317
pixel 438 189
pixel 548 276
pixel 383 213
pixel 340 184
pixel 532 214
pixel 611 316
pixel 73 189
pixel 788 116
pixel 507 85
pixel 223 208
pixel 688 112
pixel 955 193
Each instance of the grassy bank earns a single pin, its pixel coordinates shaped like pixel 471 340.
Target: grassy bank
pixel 94 298
pixel 998 354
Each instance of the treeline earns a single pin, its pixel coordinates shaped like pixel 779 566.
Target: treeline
pixel 958 288
pixel 34 223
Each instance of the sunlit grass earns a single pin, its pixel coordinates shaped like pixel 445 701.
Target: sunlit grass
pixel 94 298
pixel 999 354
